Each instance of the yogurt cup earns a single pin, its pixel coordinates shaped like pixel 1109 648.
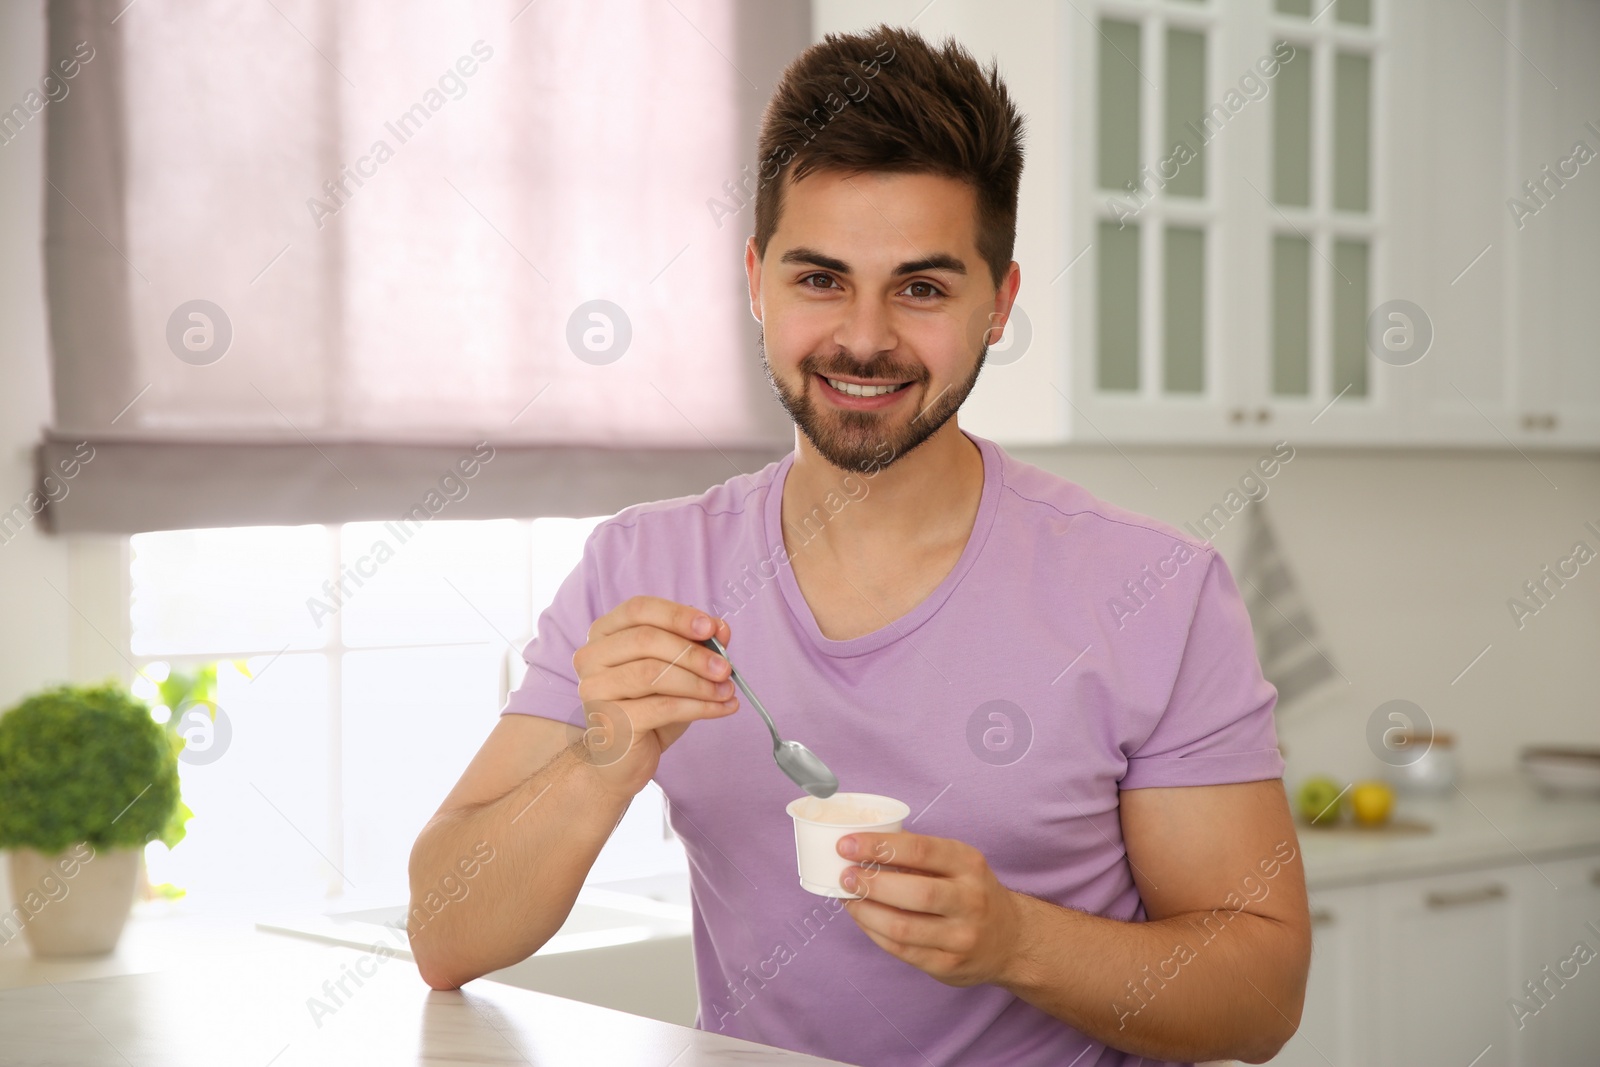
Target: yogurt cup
pixel 818 826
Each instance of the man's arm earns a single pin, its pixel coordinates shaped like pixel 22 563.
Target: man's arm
pixel 643 679
pixel 538 848
pixel 1218 970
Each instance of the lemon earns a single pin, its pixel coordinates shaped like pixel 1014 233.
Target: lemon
pixel 1371 802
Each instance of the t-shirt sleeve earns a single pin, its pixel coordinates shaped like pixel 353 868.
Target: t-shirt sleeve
pixel 549 689
pixel 1218 726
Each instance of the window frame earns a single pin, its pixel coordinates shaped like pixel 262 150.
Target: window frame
pixel 114 568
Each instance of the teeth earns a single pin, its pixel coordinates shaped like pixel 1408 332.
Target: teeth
pixel 861 390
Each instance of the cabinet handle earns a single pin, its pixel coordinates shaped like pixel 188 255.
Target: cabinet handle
pixel 1549 422
pixel 1465 896
pixel 1263 415
pixel 1324 917
pixel 1594 876
pixel 1236 415
pixel 1530 422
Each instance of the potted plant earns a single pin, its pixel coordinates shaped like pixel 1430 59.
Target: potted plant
pixel 184 695
pixel 87 779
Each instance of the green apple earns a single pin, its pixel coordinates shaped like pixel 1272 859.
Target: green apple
pixel 1317 800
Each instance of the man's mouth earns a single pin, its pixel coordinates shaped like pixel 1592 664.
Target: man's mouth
pixel 864 389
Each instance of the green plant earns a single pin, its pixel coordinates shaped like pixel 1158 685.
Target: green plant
pixel 188 687
pixel 88 763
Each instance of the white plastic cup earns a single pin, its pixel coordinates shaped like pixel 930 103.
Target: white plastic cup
pixel 817 834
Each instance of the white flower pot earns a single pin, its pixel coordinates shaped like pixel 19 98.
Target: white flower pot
pixel 73 903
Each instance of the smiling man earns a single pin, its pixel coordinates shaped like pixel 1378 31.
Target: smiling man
pixel 1100 864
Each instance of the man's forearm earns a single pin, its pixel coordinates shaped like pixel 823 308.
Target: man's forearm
pixel 1212 985
pixel 543 837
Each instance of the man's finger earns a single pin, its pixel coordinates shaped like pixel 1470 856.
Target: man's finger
pixel 901 927
pixel 649 642
pixel 918 893
pixel 660 712
pixel 917 852
pixel 647 678
pixel 681 619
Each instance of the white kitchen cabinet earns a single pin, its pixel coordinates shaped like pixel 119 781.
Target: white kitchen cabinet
pixel 1555 254
pixel 1463 110
pixel 1146 253
pixel 1517 331
pixel 1447 952
pixel 1450 234
pixel 1425 971
pixel 1557 996
pixel 1335 1021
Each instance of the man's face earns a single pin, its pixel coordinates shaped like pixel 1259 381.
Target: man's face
pixel 872 284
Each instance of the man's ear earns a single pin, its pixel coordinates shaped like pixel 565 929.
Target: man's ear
pixel 988 321
pixel 1009 285
pixel 752 273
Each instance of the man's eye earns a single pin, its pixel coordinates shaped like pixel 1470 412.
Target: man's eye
pixel 810 278
pixel 929 290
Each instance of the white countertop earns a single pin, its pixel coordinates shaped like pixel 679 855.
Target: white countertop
pixel 160 935
pixel 282 1008
pixel 1486 820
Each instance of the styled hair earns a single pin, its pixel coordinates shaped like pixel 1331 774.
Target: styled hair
pixel 886 100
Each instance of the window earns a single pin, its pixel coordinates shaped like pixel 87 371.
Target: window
pixel 347 714
pixel 476 222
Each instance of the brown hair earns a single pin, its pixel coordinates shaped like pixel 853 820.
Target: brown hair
pixel 886 100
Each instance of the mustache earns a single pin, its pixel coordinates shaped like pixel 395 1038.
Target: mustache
pixel 880 367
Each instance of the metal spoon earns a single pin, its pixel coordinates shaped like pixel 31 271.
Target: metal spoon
pixel 794 759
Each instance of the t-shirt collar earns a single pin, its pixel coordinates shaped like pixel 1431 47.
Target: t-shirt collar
pixel 800 611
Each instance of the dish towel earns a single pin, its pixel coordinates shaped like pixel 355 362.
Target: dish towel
pixel 1287 641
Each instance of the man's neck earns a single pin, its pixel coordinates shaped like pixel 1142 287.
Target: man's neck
pixel 924 500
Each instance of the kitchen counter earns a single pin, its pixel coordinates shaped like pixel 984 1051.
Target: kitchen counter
pixel 1486 820
pixel 286 1008
pixel 221 990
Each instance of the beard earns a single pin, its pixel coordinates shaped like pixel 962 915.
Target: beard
pixel 865 440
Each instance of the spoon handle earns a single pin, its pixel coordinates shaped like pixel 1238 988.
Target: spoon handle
pixel 716 646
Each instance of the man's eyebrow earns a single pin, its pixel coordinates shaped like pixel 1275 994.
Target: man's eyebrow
pixel 814 258
pixel 938 261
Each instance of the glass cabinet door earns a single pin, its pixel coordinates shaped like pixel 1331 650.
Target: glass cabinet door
pixel 1152 304
pixel 1323 226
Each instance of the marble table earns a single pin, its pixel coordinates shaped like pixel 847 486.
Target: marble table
pixel 257 1009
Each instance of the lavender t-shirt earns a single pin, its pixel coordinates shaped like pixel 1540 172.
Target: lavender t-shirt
pixel 1075 650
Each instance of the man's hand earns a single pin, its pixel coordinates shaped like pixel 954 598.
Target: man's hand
pixel 938 907
pixel 643 677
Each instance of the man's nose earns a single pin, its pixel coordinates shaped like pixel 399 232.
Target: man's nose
pixel 865 329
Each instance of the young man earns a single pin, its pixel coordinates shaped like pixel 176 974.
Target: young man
pixel 1101 864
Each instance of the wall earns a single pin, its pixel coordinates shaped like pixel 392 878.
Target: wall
pixel 1407 560
pixel 34 627
pixel 64 605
